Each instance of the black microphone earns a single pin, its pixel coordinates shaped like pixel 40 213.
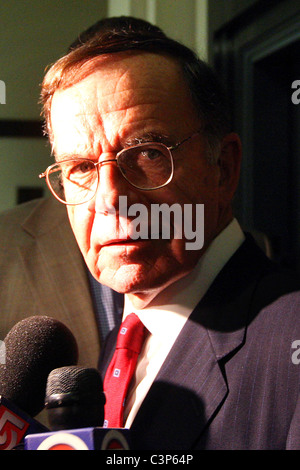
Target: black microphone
pixel 75 404
pixel 74 398
pixel 33 347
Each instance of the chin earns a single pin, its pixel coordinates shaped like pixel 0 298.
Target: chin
pixel 125 279
pixel 130 279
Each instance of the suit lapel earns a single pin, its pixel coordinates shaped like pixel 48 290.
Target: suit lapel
pixel 191 385
pixel 184 396
pixel 54 269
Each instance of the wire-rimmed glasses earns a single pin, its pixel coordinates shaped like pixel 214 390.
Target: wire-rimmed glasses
pixel 147 166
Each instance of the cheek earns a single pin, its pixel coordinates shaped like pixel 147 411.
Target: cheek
pixel 200 187
pixel 81 221
pixel 193 187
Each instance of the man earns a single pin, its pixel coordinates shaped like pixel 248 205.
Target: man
pixel 135 117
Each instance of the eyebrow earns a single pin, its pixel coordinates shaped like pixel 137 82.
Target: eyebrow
pixel 148 137
pixel 142 139
pixel 72 156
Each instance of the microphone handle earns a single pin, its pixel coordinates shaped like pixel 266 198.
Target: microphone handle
pixel 67 412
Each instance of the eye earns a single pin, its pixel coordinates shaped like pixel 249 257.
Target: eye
pixel 151 153
pixel 82 167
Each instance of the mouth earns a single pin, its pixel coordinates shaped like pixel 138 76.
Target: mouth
pixel 128 241
pixel 123 241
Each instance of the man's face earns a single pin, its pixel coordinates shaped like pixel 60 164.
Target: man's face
pixel 132 98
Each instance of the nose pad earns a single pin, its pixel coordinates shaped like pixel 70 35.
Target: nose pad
pixel 111 185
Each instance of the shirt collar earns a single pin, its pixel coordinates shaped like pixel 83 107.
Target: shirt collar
pixel 178 300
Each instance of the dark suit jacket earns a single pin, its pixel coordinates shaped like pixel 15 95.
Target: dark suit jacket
pixel 229 381
pixel 42 272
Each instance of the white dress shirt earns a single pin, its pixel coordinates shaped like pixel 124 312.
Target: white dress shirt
pixel 176 303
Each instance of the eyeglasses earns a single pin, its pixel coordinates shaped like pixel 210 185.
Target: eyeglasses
pixel 146 166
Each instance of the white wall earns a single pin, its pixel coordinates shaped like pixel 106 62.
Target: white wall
pixel 34 33
pixel 184 20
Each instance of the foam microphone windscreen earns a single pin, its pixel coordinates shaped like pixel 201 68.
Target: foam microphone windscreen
pixel 34 347
pixel 80 381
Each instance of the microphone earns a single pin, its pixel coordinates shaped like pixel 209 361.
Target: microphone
pixel 75 404
pixel 74 398
pixel 33 347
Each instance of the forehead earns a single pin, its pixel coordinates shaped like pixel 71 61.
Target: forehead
pixel 125 91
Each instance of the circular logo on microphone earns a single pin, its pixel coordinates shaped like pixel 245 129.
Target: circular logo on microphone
pixel 114 440
pixel 63 441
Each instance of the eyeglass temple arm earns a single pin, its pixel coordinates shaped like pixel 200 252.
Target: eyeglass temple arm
pixel 44 174
pixel 175 146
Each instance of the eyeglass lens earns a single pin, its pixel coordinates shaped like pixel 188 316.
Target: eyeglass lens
pixel 144 166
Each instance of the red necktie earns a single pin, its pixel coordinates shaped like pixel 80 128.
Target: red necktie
pixel 121 369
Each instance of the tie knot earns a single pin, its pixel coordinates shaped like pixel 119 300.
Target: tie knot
pixel 131 334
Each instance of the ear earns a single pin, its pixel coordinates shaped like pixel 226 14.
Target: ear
pixel 230 164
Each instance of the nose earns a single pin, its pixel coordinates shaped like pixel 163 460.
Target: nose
pixel 111 185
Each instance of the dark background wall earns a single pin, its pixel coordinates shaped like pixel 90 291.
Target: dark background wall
pixel 255 47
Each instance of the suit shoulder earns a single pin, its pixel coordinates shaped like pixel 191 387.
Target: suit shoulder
pixel 277 282
pixel 11 222
pixel 18 213
pixel 34 217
